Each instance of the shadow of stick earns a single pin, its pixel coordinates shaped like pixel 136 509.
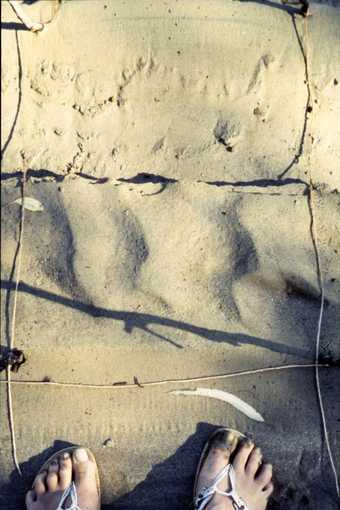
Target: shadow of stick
pixel 142 322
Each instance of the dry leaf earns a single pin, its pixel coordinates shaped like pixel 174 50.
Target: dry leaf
pixel 30 203
pixel 226 397
pixel 13 359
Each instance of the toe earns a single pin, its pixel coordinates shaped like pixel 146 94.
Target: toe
pixel 220 454
pixel 39 483
pixel 30 499
pixel 223 443
pixel 242 455
pixel 52 476
pixel 80 464
pixel 254 461
pixel 268 490
pixel 264 475
pixel 225 439
pixel 65 470
pixel 220 446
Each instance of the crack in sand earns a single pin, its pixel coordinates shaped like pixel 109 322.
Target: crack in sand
pixel 257 183
pixel 308 107
pixel 261 185
pixel 10 135
pixel 255 186
pixel 77 160
pixel 128 77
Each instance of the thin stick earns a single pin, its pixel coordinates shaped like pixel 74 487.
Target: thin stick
pixel 313 231
pixel 11 419
pixel 317 350
pixel 318 389
pixel 12 336
pixel 21 231
pixel 165 381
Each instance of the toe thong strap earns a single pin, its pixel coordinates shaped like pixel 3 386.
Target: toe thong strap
pixel 69 492
pixel 207 493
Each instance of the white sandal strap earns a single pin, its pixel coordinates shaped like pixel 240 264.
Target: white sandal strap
pixel 71 492
pixel 207 493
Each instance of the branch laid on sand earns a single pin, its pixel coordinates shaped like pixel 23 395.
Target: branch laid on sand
pixel 139 384
pixel 9 367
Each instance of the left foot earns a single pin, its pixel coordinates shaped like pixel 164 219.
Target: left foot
pixel 253 479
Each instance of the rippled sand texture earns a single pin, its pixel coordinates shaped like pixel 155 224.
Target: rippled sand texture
pixel 186 155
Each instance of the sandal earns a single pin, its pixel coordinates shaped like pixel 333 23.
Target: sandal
pixel 227 439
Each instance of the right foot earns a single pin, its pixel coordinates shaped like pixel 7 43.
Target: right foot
pixel 253 480
pixel 50 484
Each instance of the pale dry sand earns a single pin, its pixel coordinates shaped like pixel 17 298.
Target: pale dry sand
pixel 187 161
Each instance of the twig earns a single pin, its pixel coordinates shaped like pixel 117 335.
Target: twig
pixel 317 349
pixel 318 389
pixel 17 281
pixel 12 336
pixel 11 419
pixel 313 231
pixel 167 381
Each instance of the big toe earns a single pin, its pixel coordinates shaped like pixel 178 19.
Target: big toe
pixel 80 464
pixel 219 448
pixel 86 479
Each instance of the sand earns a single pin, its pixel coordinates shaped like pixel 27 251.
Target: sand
pixel 186 156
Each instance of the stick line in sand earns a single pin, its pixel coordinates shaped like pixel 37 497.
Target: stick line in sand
pixel 14 312
pixel 320 281
pixel 320 399
pixel 317 350
pixel 35 27
pixel 166 381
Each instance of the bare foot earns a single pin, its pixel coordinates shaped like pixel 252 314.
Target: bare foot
pixel 49 485
pixel 252 478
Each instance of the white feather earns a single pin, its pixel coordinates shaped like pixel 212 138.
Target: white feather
pixel 239 404
pixel 30 203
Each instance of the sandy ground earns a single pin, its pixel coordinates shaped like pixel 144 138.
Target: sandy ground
pixel 186 155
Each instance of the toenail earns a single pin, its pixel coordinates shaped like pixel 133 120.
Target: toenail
pixel 81 455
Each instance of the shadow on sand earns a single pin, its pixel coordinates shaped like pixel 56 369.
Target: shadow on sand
pixel 168 486
pixel 143 322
